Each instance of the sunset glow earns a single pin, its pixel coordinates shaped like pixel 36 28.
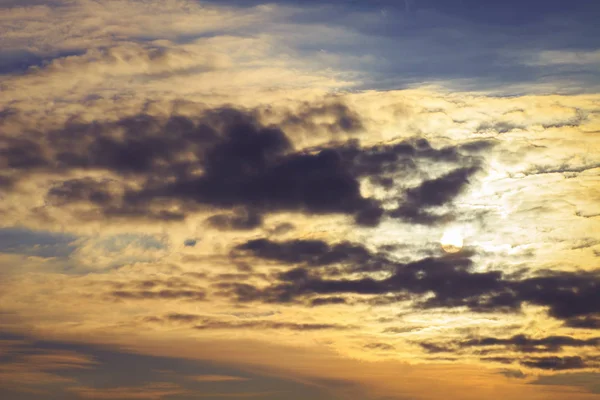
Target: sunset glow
pixel 299 199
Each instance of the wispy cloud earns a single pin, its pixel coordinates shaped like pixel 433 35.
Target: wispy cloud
pixel 218 378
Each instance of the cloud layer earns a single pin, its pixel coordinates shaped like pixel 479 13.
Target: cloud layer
pixel 239 183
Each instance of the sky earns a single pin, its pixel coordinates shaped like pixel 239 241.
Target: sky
pixel 353 200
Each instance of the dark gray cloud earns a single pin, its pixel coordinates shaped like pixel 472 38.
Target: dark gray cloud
pixel 95 191
pixel 587 322
pixel 323 301
pixel 567 294
pixel 244 164
pixel 190 242
pixel 451 280
pixel 242 292
pixel 518 343
pixel 311 252
pixel 414 215
pixel 555 363
pixel 439 191
pixel 431 193
pixel 176 317
pixel 434 348
pixel 254 171
pixel 525 344
pixel 227 159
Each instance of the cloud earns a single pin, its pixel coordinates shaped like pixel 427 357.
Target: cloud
pixel 525 344
pixel 555 363
pixel 323 301
pixel 165 294
pixel 243 163
pixel 240 220
pixel 379 346
pixel 28 366
pixel 202 323
pixel 586 380
pixel 211 325
pixel 309 252
pixel 133 59
pixel 213 173
pixel 218 378
pixel 225 158
pixel 434 348
pixel 450 280
pixel 512 373
pixel 434 192
pixel 59 360
pixel 332 117
pixel 441 190
pixel 152 391
pixel 518 343
pixel 390 45
pixel 190 242
pixel 182 317
pixel 588 322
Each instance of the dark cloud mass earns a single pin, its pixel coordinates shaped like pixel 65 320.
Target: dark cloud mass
pixel 439 191
pixel 227 159
pixel 434 192
pixel 588 322
pixel 434 348
pixel 453 282
pixel 85 190
pixel 518 343
pixel 310 252
pixel 555 363
pixel 526 344
pixel 523 345
pixel 322 301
